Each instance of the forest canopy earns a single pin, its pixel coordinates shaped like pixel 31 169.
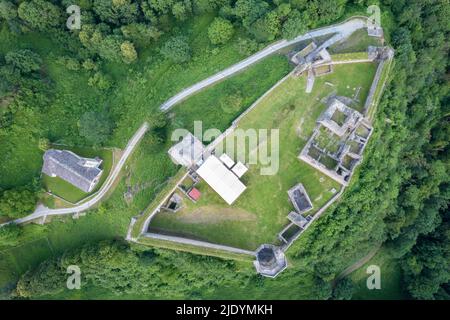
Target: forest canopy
pixel 67 86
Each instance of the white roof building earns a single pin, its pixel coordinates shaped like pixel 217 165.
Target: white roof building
pixel 188 151
pixel 221 179
pixel 226 160
pixel 239 169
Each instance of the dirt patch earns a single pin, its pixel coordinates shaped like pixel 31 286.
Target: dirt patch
pixel 216 214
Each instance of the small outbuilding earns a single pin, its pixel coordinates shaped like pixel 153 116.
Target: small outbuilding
pixel 194 194
pixel 226 160
pixel 239 169
pixel 300 199
pixel 297 219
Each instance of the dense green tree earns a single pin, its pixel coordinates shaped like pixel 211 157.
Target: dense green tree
pixel 40 14
pixel 89 64
pixel 182 9
pixel 177 49
pixel 26 61
pixel 96 127
pixel 116 12
pixel 250 10
pixel 295 25
pixel 220 31
pixel 247 46
pixel 100 80
pixel 9 235
pixel 8 10
pixel 109 48
pixel 267 27
pixel 140 33
pixel 343 289
pixel 114 266
pixel 129 53
pixel 16 203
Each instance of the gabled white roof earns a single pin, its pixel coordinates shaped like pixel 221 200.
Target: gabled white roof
pixel 222 180
pixel 226 160
pixel 239 169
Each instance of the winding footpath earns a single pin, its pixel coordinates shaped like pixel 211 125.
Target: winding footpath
pixel 340 31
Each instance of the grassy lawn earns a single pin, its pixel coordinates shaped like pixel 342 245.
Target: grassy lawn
pixel 391 279
pixel 17 260
pixel 260 213
pixel 139 91
pixel 67 191
pixel 357 42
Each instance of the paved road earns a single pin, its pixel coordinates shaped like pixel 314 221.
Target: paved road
pixel 42 211
pixel 341 30
pixel 197 243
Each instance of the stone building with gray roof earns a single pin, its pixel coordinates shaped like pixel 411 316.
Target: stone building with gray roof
pixel 339 118
pixel 270 260
pixel 83 173
pixel 299 198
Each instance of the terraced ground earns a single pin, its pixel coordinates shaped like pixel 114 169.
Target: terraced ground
pixel 260 212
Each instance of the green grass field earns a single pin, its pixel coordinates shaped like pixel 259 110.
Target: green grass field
pixel 140 90
pixel 17 260
pixel 357 42
pixel 67 191
pixel 391 279
pixel 260 213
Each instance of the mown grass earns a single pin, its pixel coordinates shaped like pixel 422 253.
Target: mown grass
pixel 357 42
pixel 260 212
pixel 391 279
pixel 17 260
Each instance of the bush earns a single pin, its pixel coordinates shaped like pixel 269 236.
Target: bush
pixel 220 31
pixel 95 126
pixel 129 53
pixel 16 203
pixel 177 49
pixel 247 46
pixel 100 81
pixel 26 61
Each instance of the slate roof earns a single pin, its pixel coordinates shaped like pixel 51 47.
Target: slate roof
pixel 300 198
pixel 298 219
pixel 270 260
pixel 81 172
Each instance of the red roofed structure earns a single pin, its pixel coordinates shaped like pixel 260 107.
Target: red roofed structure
pixel 194 194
